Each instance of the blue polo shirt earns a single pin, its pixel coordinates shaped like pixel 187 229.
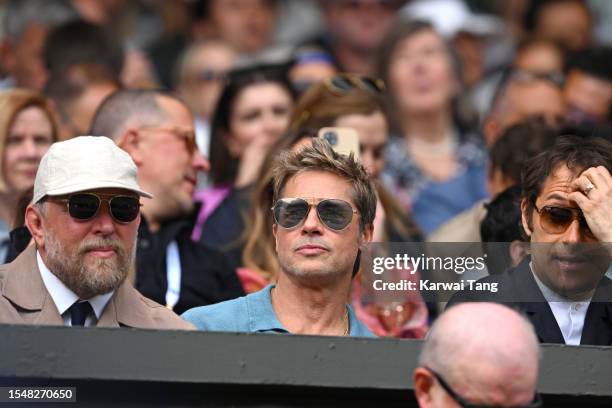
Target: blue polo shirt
pixel 252 314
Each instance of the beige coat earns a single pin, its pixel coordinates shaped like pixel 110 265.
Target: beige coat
pixel 24 300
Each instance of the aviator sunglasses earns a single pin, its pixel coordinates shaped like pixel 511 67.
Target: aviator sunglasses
pixel 556 220
pixel 334 213
pixel 85 206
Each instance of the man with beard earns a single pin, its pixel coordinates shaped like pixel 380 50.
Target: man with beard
pixel 565 206
pixel 323 213
pixel 156 130
pixel 84 218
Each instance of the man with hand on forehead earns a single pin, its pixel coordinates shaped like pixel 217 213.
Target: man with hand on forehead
pixel 566 213
pixel 84 219
pixel 323 213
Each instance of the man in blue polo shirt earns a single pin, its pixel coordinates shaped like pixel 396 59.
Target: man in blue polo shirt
pixel 323 214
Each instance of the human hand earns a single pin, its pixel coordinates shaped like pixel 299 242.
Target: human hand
pixel 593 194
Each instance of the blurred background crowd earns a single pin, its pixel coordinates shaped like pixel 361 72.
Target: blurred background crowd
pixel 448 97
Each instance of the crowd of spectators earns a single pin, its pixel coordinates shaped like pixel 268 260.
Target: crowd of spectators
pixel 477 122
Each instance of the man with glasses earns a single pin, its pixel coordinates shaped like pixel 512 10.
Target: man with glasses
pixel 323 213
pixel 156 130
pixel 494 363
pixel 566 206
pixel 84 218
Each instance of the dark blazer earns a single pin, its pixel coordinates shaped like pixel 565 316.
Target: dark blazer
pixel 518 289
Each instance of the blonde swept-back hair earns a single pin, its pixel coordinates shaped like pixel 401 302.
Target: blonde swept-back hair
pixel 11 103
pixel 321 157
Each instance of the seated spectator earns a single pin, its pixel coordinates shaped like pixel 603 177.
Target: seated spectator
pixel 76 94
pixel 501 231
pixel 568 22
pixel 588 89
pixel 156 129
pixel 565 212
pixel 27 129
pixel 507 158
pixel 252 113
pixel 354 31
pixel 521 95
pixel 543 58
pixel 26 25
pixel 84 218
pixel 355 102
pixel 324 208
pixel 435 162
pixel 201 74
pixel 493 363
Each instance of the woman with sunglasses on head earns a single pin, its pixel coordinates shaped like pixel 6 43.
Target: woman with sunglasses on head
pixel 342 101
pixel 435 162
pixel 251 114
pixel 27 130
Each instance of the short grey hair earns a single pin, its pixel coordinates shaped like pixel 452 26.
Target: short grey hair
pixel 126 107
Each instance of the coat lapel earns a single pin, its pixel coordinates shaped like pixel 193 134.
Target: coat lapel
pixel 25 288
pixel 537 309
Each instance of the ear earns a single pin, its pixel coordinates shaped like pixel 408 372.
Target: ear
pixel 518 251
pixel 130 142
pixel 365 237
pixel 524 218
pixel 423 384
pixel 34 222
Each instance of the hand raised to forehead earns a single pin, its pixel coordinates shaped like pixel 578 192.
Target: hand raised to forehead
pixel 593 194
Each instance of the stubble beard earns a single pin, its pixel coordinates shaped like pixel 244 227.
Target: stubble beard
pixel 88 279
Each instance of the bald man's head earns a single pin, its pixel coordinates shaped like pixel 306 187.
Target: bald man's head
pixel 487 353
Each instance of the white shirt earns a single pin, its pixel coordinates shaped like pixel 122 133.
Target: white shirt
pixel 569 314
pixel 63 297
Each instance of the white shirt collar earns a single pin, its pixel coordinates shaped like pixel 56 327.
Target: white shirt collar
pixel 63 297
pixel 570 315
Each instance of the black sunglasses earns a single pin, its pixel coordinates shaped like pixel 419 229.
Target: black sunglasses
pixel 537 400
pixel 85 206
pixel 334 213
pixel 345 83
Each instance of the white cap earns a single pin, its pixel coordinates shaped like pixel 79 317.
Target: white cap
pixel 449 17
pixel 85 163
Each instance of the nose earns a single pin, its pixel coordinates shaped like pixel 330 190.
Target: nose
pixel 367 159
pixel 312 224
pixel 274 125
pixel 574 233
pixel 200 163
pixel 103 223
pixel 30 149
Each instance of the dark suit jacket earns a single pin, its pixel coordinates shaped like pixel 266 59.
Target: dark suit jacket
pixel 24 300
pixel 518 289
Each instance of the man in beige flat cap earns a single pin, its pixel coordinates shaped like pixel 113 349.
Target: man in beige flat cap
pixel 84 219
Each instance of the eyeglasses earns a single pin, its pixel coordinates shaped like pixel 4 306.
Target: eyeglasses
pixel 209 76
pixel 537 400
pixel 334 213
pixel 345 83
pixel 556 220
pixel 521 75
pixel 384 4
pixel 187 135
pixel 85 206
